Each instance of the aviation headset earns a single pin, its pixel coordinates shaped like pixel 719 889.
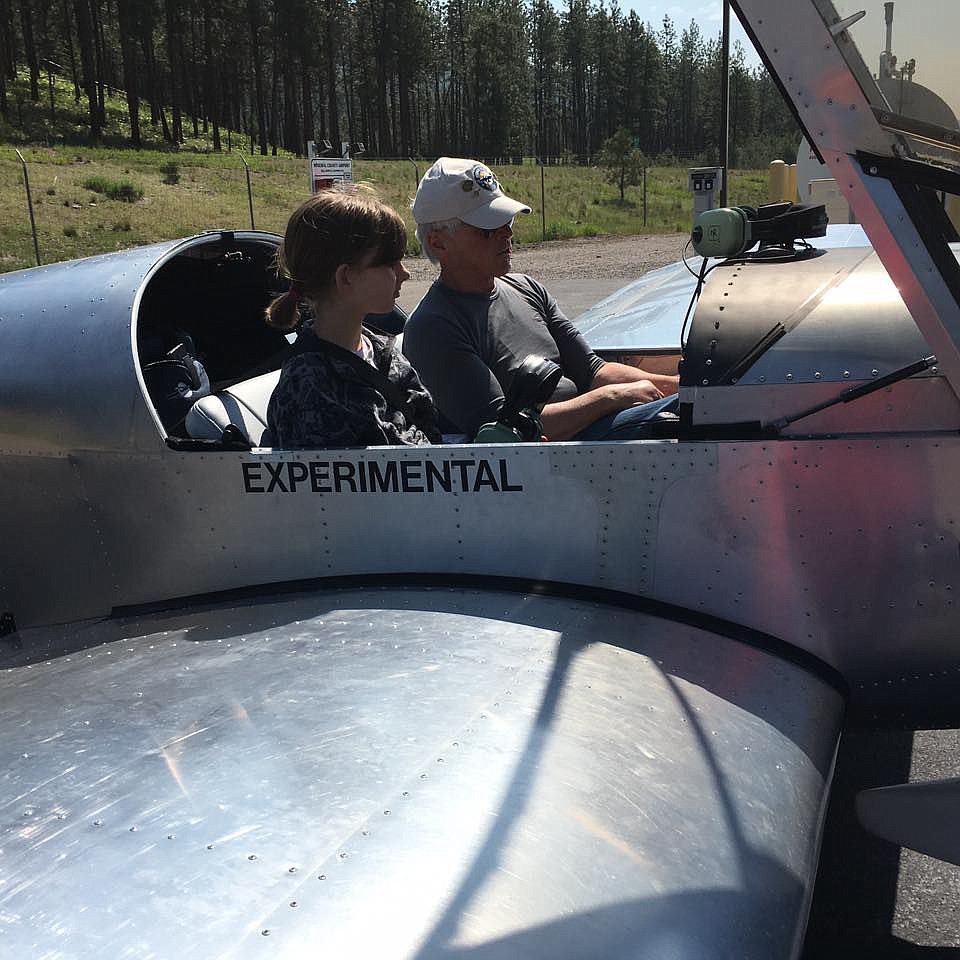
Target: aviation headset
pixel 732 231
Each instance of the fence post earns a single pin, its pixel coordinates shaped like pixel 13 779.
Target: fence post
pixel 543 203
pixel 249 190
pixel 53 118
pixel 644 196
pixel 416 173
pixel 33 223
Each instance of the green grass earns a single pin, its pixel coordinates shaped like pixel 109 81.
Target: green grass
pixel 80 194
pixel 121 190
pixel 170 173
pixel 90 200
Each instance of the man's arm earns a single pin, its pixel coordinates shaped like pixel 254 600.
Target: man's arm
pixel 607 387
pixel 566 419
pixel 611 373
pixel 580 363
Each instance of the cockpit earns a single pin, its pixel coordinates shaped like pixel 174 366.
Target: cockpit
pixel 802 342
pixel 200 325
pixel 209 361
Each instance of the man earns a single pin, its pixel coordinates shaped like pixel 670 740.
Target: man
pixel 478 321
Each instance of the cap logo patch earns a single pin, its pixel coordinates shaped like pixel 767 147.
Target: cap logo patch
pixel 483 177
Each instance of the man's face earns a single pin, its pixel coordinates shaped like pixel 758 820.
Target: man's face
pixel 481 253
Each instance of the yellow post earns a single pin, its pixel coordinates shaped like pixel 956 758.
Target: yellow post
pixel 777 188
pixel 791 193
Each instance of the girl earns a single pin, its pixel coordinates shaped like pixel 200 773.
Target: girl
pixel 345 385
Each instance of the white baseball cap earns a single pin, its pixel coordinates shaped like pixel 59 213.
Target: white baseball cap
pixel 464 190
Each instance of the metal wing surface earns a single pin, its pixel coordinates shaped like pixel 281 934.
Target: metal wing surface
pixel 408 773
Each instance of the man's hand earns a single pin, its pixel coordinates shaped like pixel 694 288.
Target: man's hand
pixel 615 387
pixel 563 420
pixel 624 395
pixel 611 373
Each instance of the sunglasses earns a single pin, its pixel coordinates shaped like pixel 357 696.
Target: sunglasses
pixel 488 234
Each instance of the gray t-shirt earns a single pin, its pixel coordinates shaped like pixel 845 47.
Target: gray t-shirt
pixel 466 347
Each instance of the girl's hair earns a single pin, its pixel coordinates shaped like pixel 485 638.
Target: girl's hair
pixel 333 227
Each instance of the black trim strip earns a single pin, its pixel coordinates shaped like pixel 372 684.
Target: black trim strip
pixel 910 171
pixel 546 588
pixel 741 366
pixel 744 430
pixel 920 129
pixel 935 229
pixel 915 184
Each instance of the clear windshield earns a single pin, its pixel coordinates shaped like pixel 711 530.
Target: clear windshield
pixel 911 49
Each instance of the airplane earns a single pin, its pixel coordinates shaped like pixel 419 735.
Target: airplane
pixel 479 700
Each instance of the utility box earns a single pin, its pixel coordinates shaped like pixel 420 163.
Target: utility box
pixel 703 183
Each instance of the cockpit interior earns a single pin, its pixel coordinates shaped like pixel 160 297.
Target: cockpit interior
pixel 200 325
pixel 207 357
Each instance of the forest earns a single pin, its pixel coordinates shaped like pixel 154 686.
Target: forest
pixel 394 78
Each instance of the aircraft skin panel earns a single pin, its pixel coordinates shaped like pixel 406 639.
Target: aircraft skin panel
pixel 821 79
pixel 408 773
pixel 919 405
pixel 52 556
pixel 648 314
pixel 770 535
pixel 847 550
pixel 81 305
pixel 825 335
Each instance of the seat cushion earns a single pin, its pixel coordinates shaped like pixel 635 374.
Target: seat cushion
pixel 244 405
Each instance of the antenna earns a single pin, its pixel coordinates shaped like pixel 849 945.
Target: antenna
pixel 888 62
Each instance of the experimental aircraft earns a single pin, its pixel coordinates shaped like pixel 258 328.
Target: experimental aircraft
pixel 521 700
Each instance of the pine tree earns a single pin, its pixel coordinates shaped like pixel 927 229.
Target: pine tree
pixel 621 161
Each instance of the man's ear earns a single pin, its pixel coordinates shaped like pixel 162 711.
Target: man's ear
pixel 437 240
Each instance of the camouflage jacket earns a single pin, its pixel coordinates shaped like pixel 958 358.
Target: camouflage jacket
pixel 324 400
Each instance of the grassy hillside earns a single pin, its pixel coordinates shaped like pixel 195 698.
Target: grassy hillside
pixel 91 200
pixel 76 218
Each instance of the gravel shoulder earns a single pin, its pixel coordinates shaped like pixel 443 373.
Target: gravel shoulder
pixel 586 258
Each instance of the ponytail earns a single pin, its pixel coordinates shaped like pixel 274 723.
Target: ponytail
pixel 283 312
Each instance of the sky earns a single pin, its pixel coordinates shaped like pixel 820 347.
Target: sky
pixel 707 13
pixel 927 30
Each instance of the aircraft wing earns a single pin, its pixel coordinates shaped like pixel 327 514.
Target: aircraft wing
pixel 919 815
pixel 408 773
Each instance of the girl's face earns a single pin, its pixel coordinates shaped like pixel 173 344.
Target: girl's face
pixel 378 287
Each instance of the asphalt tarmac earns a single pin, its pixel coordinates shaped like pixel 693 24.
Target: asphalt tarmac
pixel 872 899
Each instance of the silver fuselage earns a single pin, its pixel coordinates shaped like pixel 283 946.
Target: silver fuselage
pixel 539 700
